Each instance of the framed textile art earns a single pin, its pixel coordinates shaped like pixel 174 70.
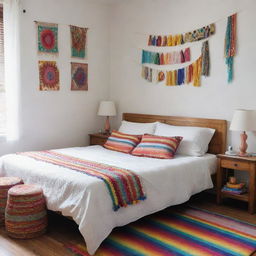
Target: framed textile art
pixel 47 37
pixel 78 41
pixel 79 76
pixel 48 76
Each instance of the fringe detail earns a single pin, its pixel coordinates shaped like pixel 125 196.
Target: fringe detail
pixel 186 75
pixel 230 44
pixel 205 59
pixel 175 57
pixel 173 40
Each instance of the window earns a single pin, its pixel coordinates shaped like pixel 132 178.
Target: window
pixel 2 88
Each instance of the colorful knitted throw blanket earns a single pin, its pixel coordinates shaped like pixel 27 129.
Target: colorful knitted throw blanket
pixel 124 186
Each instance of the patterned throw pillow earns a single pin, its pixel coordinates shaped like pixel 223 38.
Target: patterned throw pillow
pixel 122 142
pixel 157 146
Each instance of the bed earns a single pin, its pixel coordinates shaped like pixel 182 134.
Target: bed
pixel 84 198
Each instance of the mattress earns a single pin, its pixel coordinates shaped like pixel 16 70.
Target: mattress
pixel 86 199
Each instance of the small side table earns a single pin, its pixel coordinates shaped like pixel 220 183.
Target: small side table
pixel 247 164
pixel 98 138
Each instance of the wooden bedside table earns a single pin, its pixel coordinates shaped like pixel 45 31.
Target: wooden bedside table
pixel 247 164
pixel 98 138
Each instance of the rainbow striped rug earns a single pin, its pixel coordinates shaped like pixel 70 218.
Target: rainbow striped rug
pixel 178 231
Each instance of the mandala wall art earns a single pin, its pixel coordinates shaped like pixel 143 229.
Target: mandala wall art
pixel 79 76
pixel 48 76
pixel 78 41
pixel 47 37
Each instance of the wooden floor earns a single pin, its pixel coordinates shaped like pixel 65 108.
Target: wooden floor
pixel 62 231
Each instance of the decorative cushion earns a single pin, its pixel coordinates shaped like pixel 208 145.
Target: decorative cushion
pixel 122 142
pixel 137 128
pixel 157 146
pixel 195 139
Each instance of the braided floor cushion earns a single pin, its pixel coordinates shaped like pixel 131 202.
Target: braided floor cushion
pixel 25 214
pixel 5 184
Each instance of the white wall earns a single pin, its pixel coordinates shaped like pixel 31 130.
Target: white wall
pixel 61 118
pixel 116 34
pixel 132 20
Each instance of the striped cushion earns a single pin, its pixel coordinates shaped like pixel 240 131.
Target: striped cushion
pixel 157 146
pixel 122 142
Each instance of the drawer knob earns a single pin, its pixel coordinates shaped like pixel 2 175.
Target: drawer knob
pixel 235 164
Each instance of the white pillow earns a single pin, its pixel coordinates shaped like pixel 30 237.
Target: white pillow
pixel 195 139
pixel 137 128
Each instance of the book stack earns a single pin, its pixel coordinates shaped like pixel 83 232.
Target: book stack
pixel 237 189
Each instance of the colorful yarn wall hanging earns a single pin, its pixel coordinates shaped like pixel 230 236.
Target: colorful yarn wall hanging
pixel 168 58
pixel 230 44
pixel 205 59
pixel 186 75
pixel 173 40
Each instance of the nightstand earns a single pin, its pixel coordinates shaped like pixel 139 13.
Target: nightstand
pixel 245 164
pixel 98 138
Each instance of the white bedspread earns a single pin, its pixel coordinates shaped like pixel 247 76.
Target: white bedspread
pixel 86 199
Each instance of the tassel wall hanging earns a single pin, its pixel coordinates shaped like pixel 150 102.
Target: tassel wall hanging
pixel 168 58
pixel 173 40
pixel 185 75
pixel 205 59
pixel 230 45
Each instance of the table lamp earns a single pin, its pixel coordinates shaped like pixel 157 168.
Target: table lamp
pixel 243 120
pixel 107 108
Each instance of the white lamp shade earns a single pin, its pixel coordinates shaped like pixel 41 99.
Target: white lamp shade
pixel 243 120
pixel 107 108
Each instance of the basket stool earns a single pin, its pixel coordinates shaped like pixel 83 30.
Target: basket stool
pixel 25 214
pixel 5 184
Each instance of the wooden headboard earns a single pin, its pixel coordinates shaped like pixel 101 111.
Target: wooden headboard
pixel 218 142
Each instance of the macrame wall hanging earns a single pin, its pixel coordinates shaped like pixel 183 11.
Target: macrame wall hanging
pixel 230 45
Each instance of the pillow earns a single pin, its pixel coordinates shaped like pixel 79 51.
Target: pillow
pixel 122 142
pixel 195 139
pixel 137 128
pixel 157 146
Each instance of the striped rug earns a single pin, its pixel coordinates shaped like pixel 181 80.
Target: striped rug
pixel 178 231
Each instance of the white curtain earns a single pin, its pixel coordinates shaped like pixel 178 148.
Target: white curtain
pixel 12 65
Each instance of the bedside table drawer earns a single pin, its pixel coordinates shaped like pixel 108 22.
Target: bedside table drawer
pixel 230 164
pixel 97 141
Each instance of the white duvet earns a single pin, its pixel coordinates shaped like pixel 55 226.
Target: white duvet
pixel 86 199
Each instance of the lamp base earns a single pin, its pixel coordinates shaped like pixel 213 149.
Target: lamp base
pixel 107 126
pixel 243 146
pixel 243 154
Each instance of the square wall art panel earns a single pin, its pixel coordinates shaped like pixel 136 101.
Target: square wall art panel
pixel 47 38
pixel 79 76
pixel 48 76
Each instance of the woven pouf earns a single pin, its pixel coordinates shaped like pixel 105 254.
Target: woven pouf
pixel 5 184
pixel 25 214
